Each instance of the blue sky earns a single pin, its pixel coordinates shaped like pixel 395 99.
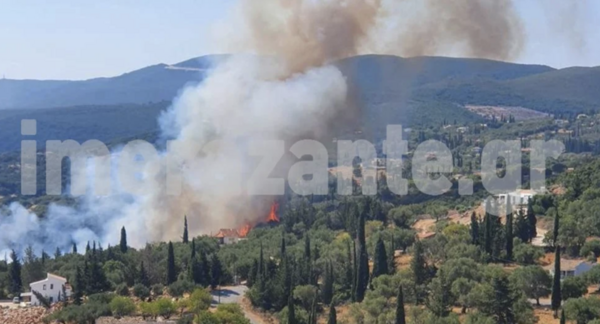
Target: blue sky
pixel 68 39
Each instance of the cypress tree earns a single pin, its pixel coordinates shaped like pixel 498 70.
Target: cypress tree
pixel 522 226
pixel 74 248
pixel 123 243
pixel 474 229
pixel 307 275
pixel 171 271
pixel 531 220
pixel 291 312
pixel 418 265
pixel 509 230
pixel 354 270
pixel 502 306
pixel 563 320
pixel 194 271
pixel 556 228
pixel 143 276
pixel 327 291
pixel 16 284
pixel 332 315
pixel 282 245
pixel 392 257
pixel 204 270
pixel 65 297
pixel 312 316
pixel 78 287
pixel 488 234
pixel 400 315
pixel 252 274
pixel 109 253
pixel 287 278
pixel 57 253
pixel 86 277
pixel 216 271
pixel 380 265
pixel 97 279
pixel 185 230
pixel 556 293
pixel 261 262
pixel 87 246
pixel 438 301
pixel 307 247
pixel 362 274
pixel 45 257
pixel 193 249
pixel 349 282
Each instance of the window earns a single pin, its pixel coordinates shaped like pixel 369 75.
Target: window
pixel 44 287
pixel 51 286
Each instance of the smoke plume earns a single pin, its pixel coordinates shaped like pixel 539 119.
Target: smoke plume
pixel 472 28
pixel 282 85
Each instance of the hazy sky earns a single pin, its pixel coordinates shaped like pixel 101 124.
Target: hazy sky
pixel 69 39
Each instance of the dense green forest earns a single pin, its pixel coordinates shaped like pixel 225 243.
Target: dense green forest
pixel 351 259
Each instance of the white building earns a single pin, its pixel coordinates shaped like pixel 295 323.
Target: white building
pixel 51 288
pixel 571 268
pixel 519 197
pixel 228 236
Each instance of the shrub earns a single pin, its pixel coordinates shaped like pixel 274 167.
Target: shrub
pixel 178 288
pixel 101 298
pixel 207 318
pixel 186 319
pixel 158 289
pixel 122 290
pixel 591 248
pixel 231 313
pixel 573 287
pixel 141 291
pixel 122 306
pixel 200 300
pixel 526 254
pixel 148 309
pixel 165 307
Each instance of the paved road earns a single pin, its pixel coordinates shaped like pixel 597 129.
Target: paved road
pixel 234 294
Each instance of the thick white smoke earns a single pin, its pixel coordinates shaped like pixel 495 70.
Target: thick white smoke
pixel 282 87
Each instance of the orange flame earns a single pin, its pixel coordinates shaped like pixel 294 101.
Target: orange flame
pixel 243 232
pixel 273 213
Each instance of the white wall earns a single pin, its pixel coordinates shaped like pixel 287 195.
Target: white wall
pixel 49 288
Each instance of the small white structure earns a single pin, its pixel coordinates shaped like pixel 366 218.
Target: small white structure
pixel 51 288
pixel 519 197
pixel 228 236
pixel 571 268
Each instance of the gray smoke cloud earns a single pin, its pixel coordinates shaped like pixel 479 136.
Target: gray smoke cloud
pixel 283 86
pixel 472 28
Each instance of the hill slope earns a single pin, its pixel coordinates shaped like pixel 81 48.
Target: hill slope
pixel 162 82
pixel 386 89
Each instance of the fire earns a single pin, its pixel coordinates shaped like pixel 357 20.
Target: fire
pixel 271 218
pixel 273 213
pixel 243 232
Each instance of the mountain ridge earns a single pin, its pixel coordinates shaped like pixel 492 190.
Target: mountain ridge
pixel 162 82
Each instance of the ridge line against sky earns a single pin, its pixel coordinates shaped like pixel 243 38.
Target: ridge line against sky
pixel 69 40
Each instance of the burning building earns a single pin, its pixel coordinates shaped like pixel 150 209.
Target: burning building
pixel 230 236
